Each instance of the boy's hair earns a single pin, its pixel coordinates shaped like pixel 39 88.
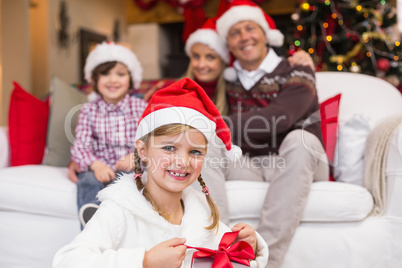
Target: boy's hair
pixel 171 129
pixel 103 69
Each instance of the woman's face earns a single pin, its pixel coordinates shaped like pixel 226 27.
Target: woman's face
pixel 206 64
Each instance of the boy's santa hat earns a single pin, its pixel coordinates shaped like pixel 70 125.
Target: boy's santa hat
pixel 207 35
pixel 109 51
pixel 185 102
pixel 242 10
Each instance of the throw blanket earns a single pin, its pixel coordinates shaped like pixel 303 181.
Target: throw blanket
pixel 376 159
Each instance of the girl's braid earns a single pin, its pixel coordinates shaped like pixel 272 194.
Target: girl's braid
pixel 138 170
pixel 212 206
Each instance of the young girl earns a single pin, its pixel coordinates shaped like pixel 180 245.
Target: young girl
pixel 149 219
pixel 105 130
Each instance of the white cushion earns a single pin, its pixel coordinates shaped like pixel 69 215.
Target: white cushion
pixel 5 148
pixel 327 201
pixel 38 189
pixel 350 147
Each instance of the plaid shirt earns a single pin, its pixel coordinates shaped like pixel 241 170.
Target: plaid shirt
pixel 106 132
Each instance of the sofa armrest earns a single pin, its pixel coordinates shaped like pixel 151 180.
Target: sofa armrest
pixel 5 148
pixel 394 176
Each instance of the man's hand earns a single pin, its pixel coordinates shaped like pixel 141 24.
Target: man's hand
pixel 73 169
pixel 303 58
pixel 103 172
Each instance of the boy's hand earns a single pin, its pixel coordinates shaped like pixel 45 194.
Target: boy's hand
pixel 73 169
pixel 168 254
pixel 126 163
pixel 247 234
pixel 103 172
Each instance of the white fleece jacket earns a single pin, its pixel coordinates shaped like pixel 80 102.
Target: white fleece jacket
pixel 125 226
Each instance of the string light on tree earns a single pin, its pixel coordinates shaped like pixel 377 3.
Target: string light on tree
pixel 349 36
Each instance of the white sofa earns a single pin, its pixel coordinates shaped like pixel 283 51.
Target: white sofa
pixel 38 203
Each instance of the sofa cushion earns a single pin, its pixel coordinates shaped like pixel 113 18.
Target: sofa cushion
pixel 38 189
pixel 65 103
pixel 327 202
pixel 27 126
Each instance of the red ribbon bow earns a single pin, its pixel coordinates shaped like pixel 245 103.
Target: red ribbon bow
pixel 240 252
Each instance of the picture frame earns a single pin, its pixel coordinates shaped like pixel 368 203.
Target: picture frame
pixel 88 40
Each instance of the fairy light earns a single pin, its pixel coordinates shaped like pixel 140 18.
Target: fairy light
pixel 339 67
pixel 368 54
pixel 305 6
pixel 327 2
pixel 334 16
pixel 396 58
pixel 365 15
pixel 340 22
pixel 397 43
pixel 299 27
pixel 329 38
pixel 358 7
pixel 297 43
pixel 325 25
pixel 311 50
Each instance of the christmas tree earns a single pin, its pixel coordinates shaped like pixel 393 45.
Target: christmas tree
pixel 352 36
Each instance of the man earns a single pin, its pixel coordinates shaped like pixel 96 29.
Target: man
pixel 271 103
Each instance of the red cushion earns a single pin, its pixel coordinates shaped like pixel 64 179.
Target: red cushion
pixel 329 110
pixel 27 126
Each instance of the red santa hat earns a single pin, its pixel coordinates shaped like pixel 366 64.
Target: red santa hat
pixel 109 51
pixel 242 10
pixel 207 35
pixel 185 102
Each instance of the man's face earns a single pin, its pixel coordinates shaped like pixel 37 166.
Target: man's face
pixel 247 41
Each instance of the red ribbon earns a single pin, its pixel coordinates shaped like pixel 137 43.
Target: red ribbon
pixel 240 252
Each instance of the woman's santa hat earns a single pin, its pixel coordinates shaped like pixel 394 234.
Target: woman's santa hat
pixel 242 10
pixel 109 51
pixel 207 35
pixel 185 102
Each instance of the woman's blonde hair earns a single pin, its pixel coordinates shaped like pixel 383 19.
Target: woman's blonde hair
pixel 170 129
pixel 219 99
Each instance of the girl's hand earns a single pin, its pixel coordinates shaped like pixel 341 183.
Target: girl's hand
pixel 103 172
pixel 126 163
pixel 247 234
pixel 168 254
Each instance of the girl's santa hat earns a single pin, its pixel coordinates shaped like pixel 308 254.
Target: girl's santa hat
pixel 207 35
pixel 185 102
pixel 242 10
pixel 109 51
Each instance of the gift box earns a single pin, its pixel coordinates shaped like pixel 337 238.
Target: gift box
pixel 207 263
pixel 228 255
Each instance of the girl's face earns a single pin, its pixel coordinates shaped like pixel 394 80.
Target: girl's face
pixel 173 162
pixel 206 64
pixel 114 84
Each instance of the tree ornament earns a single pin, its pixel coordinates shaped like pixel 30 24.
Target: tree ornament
pixel 383 64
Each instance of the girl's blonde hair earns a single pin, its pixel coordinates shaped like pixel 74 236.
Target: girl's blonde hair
pixel 219 99
pixel 171 129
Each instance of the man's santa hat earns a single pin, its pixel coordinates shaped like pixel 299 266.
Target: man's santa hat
pixel 207 35
pixel 109 51
pixel 242 10
pixel 185 102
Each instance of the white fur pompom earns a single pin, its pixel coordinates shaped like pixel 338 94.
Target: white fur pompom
pixel 235 153
pixel 275 38
pixel 230 74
